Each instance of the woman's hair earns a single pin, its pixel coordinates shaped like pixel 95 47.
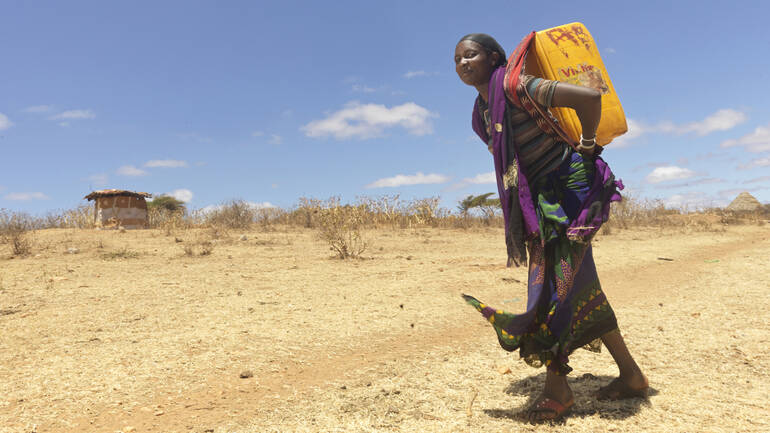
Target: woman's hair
pixel 489 43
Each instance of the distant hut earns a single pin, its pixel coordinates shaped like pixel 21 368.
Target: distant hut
pixel 119 208
pixel 745 202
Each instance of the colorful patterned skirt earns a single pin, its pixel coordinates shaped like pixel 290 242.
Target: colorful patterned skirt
pixel 566 307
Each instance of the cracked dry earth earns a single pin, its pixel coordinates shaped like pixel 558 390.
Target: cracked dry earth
pixel 131 334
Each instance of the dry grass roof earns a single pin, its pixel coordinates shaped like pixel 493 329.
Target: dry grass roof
pixel 745 202
pixel 113 192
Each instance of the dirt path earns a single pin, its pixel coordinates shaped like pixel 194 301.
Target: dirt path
pixel 228 400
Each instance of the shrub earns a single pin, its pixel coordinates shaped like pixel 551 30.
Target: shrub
pixel 341 226
pixel 234 214
pixel 201 247
pixel 15 231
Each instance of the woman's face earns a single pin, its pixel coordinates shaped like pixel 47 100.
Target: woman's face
pixel 474 65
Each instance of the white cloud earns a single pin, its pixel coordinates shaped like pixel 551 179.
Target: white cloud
pixel 38 109
pixel 635 130
pixel 363 88
pixel 610 50
pixel 130 170
pixel 694 182
pixel 64 124
pixel 74 114
pixel 25 196
pixel 275 139
pixel 757 141
pixel 421 73
pixel 669 172
pixel 414 179
pixel 730 194
pixel 756 162
pixel 257 134
pixel 758 179
pixel 479 179
pixel 5 122
pixel 691 201
pixel 99 179
pixel 722 120
pixel 482 178
pixel 166 163
pixel 182 194
pixel 364 121
pixel 253 205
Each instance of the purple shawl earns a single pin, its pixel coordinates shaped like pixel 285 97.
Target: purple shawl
pixel 593 211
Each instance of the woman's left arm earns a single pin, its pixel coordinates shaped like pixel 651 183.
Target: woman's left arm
pixel 586 102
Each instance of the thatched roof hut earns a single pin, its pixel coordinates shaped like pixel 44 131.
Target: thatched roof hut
pixel 116 208
pixel 745 202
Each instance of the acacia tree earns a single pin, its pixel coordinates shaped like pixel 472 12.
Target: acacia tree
pixel 168 203
pixel 486 205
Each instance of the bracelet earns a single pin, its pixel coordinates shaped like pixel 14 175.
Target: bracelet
pixel 583 147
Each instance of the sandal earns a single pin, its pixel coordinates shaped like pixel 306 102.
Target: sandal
pixel 553 410
pixel 618 390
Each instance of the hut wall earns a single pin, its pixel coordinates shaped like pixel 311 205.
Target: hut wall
pixel 125 211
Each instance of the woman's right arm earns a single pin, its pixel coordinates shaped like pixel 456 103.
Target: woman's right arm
pixel 586 102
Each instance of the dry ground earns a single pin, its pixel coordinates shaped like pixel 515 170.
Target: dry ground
pixel 131 334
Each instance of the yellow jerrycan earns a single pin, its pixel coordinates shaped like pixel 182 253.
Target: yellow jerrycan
pixel 568 53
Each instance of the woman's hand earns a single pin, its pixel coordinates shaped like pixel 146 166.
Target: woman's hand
pixel 587 103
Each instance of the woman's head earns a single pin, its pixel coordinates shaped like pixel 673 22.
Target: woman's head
pixel 477 55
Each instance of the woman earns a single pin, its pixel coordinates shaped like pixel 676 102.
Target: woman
pixel 555 195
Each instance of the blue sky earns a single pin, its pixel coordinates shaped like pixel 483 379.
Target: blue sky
pixel 270 101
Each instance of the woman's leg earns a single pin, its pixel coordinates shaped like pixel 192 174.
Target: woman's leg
pixel 630 373
pixel 556 388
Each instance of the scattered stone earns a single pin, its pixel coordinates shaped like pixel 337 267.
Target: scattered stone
pixel 245 374
pixel 159 413
pixel 128 429
pixel 503 369
pixel 72 250
pixel 343 387
pixel 177 240
pixel 243 238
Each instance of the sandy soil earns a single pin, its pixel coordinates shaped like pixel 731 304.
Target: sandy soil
pixel 131 334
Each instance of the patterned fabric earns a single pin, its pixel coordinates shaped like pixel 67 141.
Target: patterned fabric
pixel 540 153
pixel 566 307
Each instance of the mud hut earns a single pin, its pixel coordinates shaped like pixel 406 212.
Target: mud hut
pixel 119 208
pixel 745 202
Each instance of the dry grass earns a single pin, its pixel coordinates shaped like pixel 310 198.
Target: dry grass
pixel 383 344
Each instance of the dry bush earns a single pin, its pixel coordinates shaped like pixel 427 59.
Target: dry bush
pixel 167 220
pixel 203 242
pixel 81 217
pixel 306 212
pixel 341 226
pixel 16 231
pixel 425 211
pixel 199 247
pixel 234 214
pixel 123 253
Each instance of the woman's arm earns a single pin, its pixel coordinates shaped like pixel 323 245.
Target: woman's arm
pixel 586 102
